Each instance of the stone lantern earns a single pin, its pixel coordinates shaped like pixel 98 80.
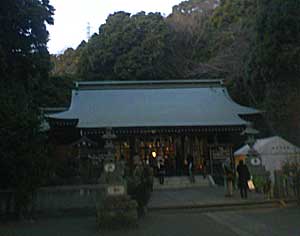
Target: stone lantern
pixel 114 206
pixel 110 175
pixel 253 160
pixel 253 157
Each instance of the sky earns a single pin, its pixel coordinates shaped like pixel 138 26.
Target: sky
pixel 72 17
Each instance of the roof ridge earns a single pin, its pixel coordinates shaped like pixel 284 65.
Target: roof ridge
pixel 91 85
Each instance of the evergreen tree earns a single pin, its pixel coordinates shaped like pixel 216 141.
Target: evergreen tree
pixel 273 68
pixel 24 63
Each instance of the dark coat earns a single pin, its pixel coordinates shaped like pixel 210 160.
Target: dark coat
pixel 244 174
pixel 190 160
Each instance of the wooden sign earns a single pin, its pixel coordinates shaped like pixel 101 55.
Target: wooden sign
pixel 220 153
pixel 116 190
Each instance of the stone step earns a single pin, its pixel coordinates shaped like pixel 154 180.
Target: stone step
pixel 181 182
pixel 182 179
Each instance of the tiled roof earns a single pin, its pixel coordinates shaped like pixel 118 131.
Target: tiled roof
pixel 153 104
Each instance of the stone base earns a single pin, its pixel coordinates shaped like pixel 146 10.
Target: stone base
pixel 116 212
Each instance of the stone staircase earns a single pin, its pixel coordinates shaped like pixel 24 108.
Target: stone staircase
pixel 177 182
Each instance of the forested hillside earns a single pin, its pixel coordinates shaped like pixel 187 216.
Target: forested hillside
pixel 253 45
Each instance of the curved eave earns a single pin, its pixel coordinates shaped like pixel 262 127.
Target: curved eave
pixel 240 109
pixel 248 111
pixel 56 122
pixel 160 125
pixel 119 131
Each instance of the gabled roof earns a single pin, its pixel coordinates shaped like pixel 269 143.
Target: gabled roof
pixel 84 141
pixel 153 104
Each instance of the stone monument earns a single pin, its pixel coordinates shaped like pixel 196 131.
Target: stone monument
pixel 114 206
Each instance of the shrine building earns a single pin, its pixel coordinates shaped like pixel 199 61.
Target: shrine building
pixel 172 118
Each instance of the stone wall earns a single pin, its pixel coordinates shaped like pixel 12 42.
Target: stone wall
pixel 55 199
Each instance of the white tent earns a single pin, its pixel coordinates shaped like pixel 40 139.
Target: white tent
pixel 274 152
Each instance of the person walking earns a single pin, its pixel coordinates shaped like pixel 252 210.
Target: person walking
pixel 244 177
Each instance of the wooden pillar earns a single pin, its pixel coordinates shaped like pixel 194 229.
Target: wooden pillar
pixel 182 155
pixel 211 163
pixel 131 151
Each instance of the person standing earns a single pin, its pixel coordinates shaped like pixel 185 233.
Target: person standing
pixel 228 178
pixel 244 177
pixel 122 165
pixel 190 162
pixel 161 169
pixel 136 159
pixel 204 170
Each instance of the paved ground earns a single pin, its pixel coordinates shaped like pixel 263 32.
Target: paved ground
pixel 264 222
pixel 198 196
pixel 186 222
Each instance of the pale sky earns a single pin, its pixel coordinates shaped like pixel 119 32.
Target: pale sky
pixel 72 16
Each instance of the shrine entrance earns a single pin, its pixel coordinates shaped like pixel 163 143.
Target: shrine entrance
pixel 173 149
